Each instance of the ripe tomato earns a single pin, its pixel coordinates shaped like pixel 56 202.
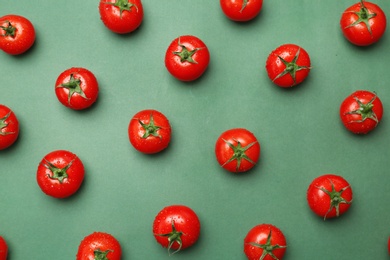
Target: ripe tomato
pixel 99 246
pixel 17 34
pixel 288 65
pixel 329 196
pixel 187 58
pixel 363 23
pixel 388 245
pixel 149 131
pixel 266 242
pixel 60 174
pixel 237 150
pixel 361 112
pixel 77 88
pixel 3 249
pixel 241 10
pixel 9 127
pixel 176 227
pixel 121 16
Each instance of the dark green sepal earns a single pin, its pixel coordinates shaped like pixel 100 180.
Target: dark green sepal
pixel 3 124
pixel 267 247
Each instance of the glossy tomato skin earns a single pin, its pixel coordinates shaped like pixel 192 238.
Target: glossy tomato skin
pixel 17 34
pixel 187 58
pixel 171 221
pixel 149 131
pixel 247 150
pixel 60 174
pixel 100 244
pixel 121 22
pixel 361 111
pixel 329 196
pixel 77 88
pixel 362 33
pixel 288 65
pixel 9 127
pixel 3 249
pixel 388 245
pixel 259 236
pixel 241 10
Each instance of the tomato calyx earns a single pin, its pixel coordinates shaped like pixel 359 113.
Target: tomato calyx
pixel 239 153
pixel 185 54
pixel 3 124
pixel 101 255
pixel 73 85
pixel 123 5
pixel 335 198
pixel 267 247
pixel 291 67
pixel 57 173
pixel 244 3
pixel 9 30
pixel 173 236
pixel 363 17
pixel 365 111
pixel 151 128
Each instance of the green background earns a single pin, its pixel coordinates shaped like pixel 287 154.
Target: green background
pixel 299 130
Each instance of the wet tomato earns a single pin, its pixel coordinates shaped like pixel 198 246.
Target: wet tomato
pixel 3 249
pixel 288 65
pixel 361 111
pixel 363 23
pixel 17 34
pixel 77 88
pixel 149 131
pixel 329 196
pixel 265 241
pixel 241 10
pixel 9 127
pixel 187 58
pixel 237 150
pixel 60 174
pixel 99 246
pixel 121 16
pixel 176 227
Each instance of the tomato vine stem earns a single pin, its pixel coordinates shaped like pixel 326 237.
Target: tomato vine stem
pixel 9 30
pixel 123 5
pixel 268 248
pixel 3 124
pixel 364 16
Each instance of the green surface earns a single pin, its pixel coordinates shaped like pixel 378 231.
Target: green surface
pixel 299 130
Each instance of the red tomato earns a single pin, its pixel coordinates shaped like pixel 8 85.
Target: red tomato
pixel 121 16
pixel 17 34
pixel 187 58
pixel 237 150
pixel 329 196
pixel 288 65
pixel 361 112
pixel 241 10
pixel 77 88
pixel 99 246
pixel 60 174
pixel 9 127
pixel 149 131
pixel 176 227
pixel 388 245
pixel 363 23
pixel 266 242
pixel 3 249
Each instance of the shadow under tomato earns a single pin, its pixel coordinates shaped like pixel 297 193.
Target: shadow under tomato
pixel 14 146
pixel 29 52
